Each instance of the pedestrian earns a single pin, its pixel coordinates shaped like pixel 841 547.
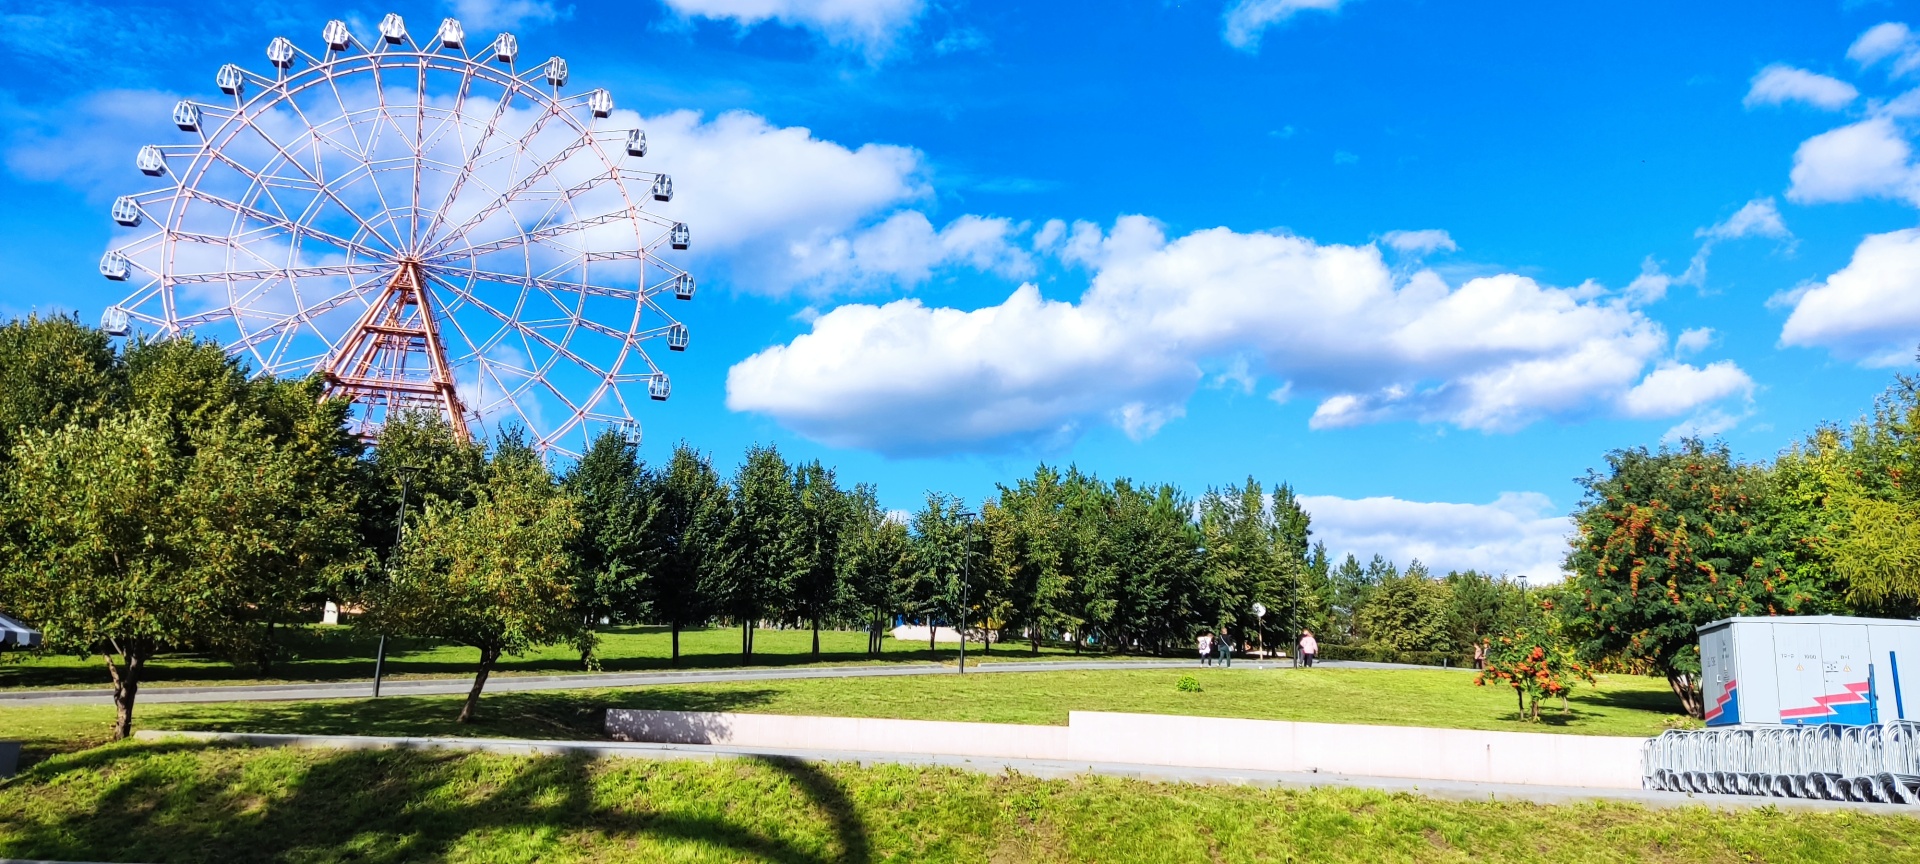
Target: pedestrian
pixel 1309 648
pixel 1223 648
pixel 1480 655
pixel 1206 648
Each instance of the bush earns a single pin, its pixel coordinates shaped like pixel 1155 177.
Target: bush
pixel 1188 684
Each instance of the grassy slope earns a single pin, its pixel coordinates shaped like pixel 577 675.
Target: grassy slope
pixel 1621 705
pixel 340 653
pixel 180 802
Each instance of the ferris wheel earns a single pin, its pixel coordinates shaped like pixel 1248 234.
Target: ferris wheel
pixel 429 225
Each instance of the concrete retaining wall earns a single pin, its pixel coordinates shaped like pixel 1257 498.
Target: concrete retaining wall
pixel 1198 742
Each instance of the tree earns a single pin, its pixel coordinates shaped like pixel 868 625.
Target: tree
pixel 54 372
pixel 822 517
pixel 1480 606
pixel 877 561
pixel 612 488
pixel 1666 542
pixel 417 453
pixel 691 512
pixel 1029 551
pixel 1535 659
pixel 940 552
pixel 497 576
pixel 124 546
pixel 1242 565
pixel 1151 546
pixel 761 549
pixel 1407 612
pixel 1349 586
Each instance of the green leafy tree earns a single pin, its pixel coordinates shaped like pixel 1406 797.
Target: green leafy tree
pixel 1031 548
pixel 941 548
pixel 497 576
pixel 1668 541
pixel 419 454
pixel 1151 546
pixel 125 546
pixel 1534 657
pixel 1242 565
pixel 1350 584
pixel 877 557
pixel 54 372
pixel 761 549
pixel 1408 612
pixel 616 506
pixel 690 520
pixel 823 516
pixel 1480 606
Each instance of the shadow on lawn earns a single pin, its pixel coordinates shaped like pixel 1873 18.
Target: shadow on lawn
pixel 553 714
pixel 393 806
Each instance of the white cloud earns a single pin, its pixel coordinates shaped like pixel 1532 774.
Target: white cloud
pixel 1779 84
pixel 1420 242
pixel 1676 388
pixel 1246 20
pixel 1865 159
pixel 1706 424
pixel 1520 533
pixel 871 25
pixel 1891 39
pixel 775 209
pixel 506 14
pixel 1494 353
pixel 90 144
pixel 1867 312
pixel 1693 341
pixel 1757 218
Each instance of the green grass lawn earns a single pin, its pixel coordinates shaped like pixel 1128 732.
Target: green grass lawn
pixel 1620 705
pixel 175 801
pixel 342 653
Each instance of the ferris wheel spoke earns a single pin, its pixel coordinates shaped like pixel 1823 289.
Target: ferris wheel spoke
pixel 320 185
pixel 506 198
pixel 472 157
pixel 536 282
pixel 296 228
pixel 519 327
pixel 283 273
pixel 561 229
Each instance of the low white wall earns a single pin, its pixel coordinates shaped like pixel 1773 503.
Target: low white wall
pixel 1198 742
pixel 1004 740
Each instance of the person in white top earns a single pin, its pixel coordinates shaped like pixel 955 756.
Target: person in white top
pixel 1309 648
pixel 1206 649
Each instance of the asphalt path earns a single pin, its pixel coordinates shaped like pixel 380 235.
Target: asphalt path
pixel 522 683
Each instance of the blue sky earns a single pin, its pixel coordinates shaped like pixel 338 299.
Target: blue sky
pixel 1427 262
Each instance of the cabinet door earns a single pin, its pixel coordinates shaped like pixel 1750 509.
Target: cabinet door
pixel 1798 668
pixel 1844 659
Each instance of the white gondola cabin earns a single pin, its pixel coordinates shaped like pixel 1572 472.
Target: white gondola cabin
pixel 451 34
pixel 280 52
pixel 506 48
pixel 658 389
pixel 663 188
pixel 393 28
pixel 636 142
pixel 679 236
pixel 114 322
pixel 600 102
pixel 683 286
pixel 150 162
pixel 126 211
pixel 115 266
pixel 186 115
pixel 556 72
pixel 336 36
pixel 232 81
pixel 677 337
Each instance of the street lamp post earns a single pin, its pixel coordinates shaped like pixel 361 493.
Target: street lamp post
pixel 965 561
pixel 399 535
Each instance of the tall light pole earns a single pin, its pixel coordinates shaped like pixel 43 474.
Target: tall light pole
pixel 965 561
pixel 399 535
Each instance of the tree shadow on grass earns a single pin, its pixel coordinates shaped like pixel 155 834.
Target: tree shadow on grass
pixel 1661 702
pixel 578 715
pixel 224 804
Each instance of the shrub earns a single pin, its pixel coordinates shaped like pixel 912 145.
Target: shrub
pixel 1188 684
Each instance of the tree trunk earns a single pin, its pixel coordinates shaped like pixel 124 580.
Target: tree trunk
pixel 487 658
pixel 816 636
pixel 746 647
pixel 986 644
pixel 1519 703
pixel 932 631
pixel 126 686
pixel 1682 685
pixel 1034 634
pixel 676 643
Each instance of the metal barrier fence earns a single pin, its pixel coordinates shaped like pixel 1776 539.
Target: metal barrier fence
pixel 1837 763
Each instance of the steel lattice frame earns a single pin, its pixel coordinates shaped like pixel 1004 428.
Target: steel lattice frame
pixel 495 215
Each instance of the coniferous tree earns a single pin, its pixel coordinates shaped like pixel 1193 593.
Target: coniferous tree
pixel 761 550
pixel 877 557
pixel 684 570
pixel 822 518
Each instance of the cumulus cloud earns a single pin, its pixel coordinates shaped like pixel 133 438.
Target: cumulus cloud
pixel 1519 534
pixel 1675 388
pixel 777 209
pixel 1891 39
pixel 68 146
pixel 1247 20
pixel 1420 242
pixel 1693 341
pixel 506 14
pixel 1868 311
pixel 1779 84
pixel 870 25
pixel 1757 218
pixel 1493 353
pixel 1868 159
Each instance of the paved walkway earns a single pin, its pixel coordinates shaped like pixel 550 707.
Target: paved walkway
pixel 517 683
pixel 1455 790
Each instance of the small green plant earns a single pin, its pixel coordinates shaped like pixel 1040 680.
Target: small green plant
pixel 1188 684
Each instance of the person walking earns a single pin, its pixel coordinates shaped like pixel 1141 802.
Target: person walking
pixel 1206 648
pixel 1224 645
pixel 1480 655
pixel 1309 648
